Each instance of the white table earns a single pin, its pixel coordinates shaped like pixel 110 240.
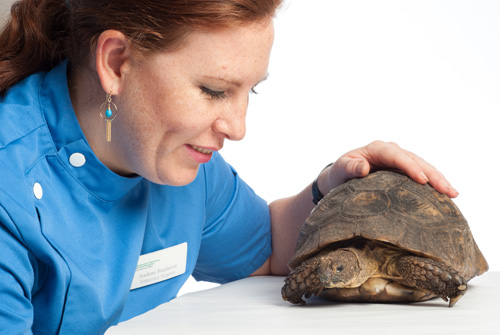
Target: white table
pixel 254 306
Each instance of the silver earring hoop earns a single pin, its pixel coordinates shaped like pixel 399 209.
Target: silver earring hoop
pixel 108 112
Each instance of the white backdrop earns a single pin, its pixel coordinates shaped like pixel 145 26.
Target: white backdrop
pixel 424 74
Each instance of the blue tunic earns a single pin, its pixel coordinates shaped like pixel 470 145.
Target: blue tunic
pixel 71 235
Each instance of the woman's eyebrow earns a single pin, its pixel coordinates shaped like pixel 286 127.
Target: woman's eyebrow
pixel 235 82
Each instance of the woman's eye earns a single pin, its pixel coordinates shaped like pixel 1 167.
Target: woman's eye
pixel 219 95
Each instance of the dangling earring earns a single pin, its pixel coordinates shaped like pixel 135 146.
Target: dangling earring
pixel 109 115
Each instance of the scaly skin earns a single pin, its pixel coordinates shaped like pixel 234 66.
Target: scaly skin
pixel 432 276
pixel 302 281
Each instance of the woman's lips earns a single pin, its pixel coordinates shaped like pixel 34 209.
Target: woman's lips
pixel 202 150
pixel 201 155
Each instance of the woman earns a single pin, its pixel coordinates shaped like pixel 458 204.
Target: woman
pixel 113 191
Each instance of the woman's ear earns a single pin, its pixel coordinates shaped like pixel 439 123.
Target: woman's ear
pixel 112 60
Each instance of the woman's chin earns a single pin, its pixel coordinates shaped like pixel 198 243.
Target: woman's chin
pixel 177 178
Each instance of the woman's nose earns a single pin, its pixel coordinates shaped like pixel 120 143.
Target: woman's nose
pixel 232 123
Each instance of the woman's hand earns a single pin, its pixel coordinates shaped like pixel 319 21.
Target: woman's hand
pixel 383 155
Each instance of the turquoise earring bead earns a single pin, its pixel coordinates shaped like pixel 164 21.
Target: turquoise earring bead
pixel 109 113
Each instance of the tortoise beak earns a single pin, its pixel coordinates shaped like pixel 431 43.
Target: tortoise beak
pixel 325 276
pixel 329 278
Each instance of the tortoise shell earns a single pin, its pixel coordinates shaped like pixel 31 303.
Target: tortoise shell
pixel 390 207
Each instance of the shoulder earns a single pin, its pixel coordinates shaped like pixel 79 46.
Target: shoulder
pixel 23 134
pixel 226 191
pixel 218 168
pixel 211 192
pixel 219 177
pixel 20 111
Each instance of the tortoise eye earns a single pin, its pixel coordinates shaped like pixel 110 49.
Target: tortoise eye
pixel 340 268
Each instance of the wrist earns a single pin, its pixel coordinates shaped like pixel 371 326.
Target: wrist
pixel 316 192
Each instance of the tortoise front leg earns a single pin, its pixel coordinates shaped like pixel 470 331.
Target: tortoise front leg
pixel 302 281
pixel 432 276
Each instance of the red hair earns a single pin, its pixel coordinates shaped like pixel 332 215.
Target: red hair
pixel 41 33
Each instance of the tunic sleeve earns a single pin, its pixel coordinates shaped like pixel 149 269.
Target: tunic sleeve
pixel 236 238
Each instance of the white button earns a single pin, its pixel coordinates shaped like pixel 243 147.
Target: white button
pixel 77 159
pixel 38 191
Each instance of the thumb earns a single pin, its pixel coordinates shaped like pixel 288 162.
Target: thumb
pixel 355 167
pixel 348 168
pixel 361 169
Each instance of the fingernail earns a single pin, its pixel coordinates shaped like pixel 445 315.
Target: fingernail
pixel 360 168
pixel 424 176
pixel 445 185
pixel 449 189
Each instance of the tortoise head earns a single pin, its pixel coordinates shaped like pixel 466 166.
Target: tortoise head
pixel 339 268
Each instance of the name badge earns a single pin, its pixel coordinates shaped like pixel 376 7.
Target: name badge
pixel 160 265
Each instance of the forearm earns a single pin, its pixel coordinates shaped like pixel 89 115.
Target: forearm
pixel 287 217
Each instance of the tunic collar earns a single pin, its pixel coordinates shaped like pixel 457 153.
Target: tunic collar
pixel 70 142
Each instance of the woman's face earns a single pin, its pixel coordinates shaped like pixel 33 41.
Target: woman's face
pixel 178 107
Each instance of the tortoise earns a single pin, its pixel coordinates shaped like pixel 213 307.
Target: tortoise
pixel 383 238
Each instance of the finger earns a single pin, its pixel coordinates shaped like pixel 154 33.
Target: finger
pixel 390 155
pixel 414 166
pixel 346 168
pixel 435 178
pixel 441 184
